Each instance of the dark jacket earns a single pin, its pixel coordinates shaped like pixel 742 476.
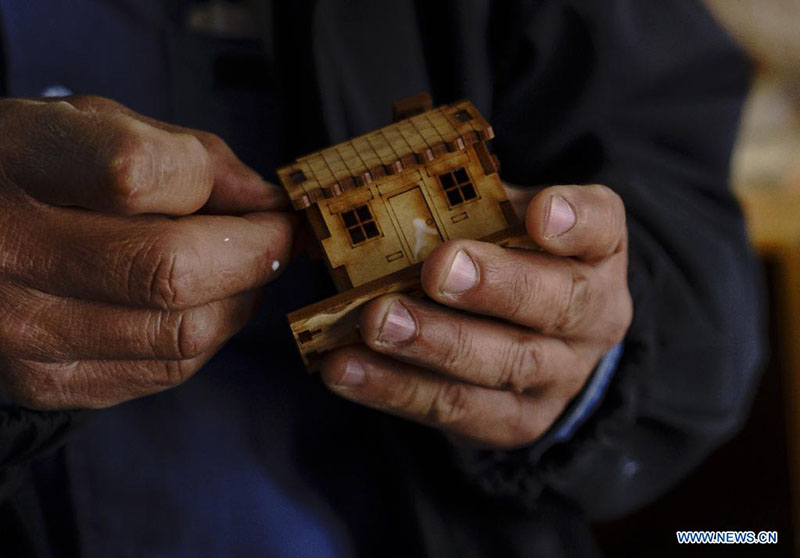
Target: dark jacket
pixel 642 96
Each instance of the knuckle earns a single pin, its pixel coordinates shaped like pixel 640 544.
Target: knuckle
pixel 169 281
pixel 194 167
pixel 163 273
pixel 404 397
pixel 181 335
pixel 524 287
pixel 521 365
pixel 449 405
pixel 195 335
pixel 129 170
pixel 171 373
pixel 460 352
pixel 573 304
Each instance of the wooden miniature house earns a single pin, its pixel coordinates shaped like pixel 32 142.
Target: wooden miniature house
pixel 380 203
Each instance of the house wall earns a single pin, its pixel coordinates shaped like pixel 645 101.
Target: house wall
pixel 407 236
pixel 475 218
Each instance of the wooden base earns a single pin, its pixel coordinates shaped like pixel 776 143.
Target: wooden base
pixel 332 323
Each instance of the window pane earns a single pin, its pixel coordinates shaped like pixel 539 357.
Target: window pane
pixel 463 116
pixel 349 219
pixel 356 235
pixel 298 177
pixel 371 229
pixel 447 181
pixel 363 213
pixel 454 197
pixel 468 192
pixel 461 175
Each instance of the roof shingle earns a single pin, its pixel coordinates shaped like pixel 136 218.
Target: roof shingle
pixel 397 148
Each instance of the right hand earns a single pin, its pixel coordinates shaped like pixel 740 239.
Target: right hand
pixel 112 286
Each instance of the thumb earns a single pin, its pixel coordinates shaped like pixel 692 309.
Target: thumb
pixel 238 189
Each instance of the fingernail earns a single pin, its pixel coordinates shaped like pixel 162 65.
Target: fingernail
pixel 353 376
pixel 462 276
pixel 398 325
pixel 560 217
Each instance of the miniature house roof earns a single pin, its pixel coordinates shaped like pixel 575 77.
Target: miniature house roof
pixel 402 146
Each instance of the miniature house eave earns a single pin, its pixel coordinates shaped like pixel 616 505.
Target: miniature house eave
pixel 395 149
pixel 381 203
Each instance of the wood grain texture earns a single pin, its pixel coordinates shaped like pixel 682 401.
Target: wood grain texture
pixel 332 323
pixel 380 203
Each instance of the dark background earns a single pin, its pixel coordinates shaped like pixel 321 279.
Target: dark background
pixel 744 485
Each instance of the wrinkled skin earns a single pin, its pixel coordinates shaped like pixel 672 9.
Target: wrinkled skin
pixel 130 251
pixel 515 334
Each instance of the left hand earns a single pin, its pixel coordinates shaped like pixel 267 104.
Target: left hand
pixel 522 334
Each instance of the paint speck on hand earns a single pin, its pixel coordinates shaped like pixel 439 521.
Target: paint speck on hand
pixel 275 265
pixel 227 239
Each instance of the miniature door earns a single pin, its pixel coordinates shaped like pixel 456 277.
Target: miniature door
pixel 416 223
pixel 380 203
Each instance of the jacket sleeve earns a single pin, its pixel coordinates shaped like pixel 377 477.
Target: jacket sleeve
pixel 26 435
pixel 644 97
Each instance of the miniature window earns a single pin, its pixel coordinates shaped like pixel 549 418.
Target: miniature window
pixel 457 187
pixel 463 116
pixel 360 224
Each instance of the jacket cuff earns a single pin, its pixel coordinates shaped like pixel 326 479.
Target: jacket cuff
pixel 25 435
pixel 582 406
pixel 521 476
pixel 514 474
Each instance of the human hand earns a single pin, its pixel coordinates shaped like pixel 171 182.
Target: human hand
pixel 522 334
pixel 112 286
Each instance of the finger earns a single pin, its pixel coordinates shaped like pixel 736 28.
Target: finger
pixel 45 328
pixel 479 351
pixel 553 295
pixel 104 161
pixel 582 221
pixel 498 418
pixel 520 197
pixel 152 261
pixel 237 188
pixel 93 384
